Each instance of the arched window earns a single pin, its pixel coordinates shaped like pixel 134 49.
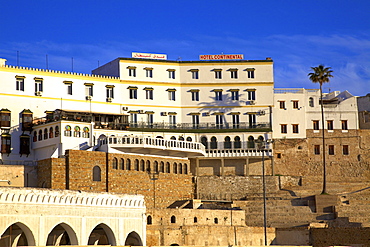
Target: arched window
pixel 260 141
pixel 185 168
pixel 216 220
pixel 96 174
pixel 142 165
pixel 68 131
pixel 237 142
pixel 77 132
pixel 128 164
pixel 195 220
pixel 189 139
pixel 175 168
pixel 115 163
pixel 161 167
pixel 173 138
pixel 86 132
pixel 24 144
pixel 180 168
pixel 213 142
pixel 250 143
pixel 40 135
pixel 148 166
pixel 156 167
pixel 35 136
pixel 311 102
pixel 181 138
pixel 136 165
pixel 227 143
pixel 168 167
pixel 173 219
pixel 204 141
pixel 122 164
pixel 56 131
pixel 149 220
pixel 51 132
pixel 46 135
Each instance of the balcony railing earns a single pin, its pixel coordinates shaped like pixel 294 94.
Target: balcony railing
pixel 189 126
pixel 149 142
pixel 237 149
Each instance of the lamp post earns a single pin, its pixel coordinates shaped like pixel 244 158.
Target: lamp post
pixel 153 176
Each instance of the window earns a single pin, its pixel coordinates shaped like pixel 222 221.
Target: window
pixel 295 128
pixel 27 120
pixel 213 142
pixel 38 85
pixel 344 125
pixel 237 142
pixel 219 120
pixel 149 220
pixel 283 128
pixel 194 74
pixel 311 102
pixel 171 73
pixel 149 72
pixel 77 131
pixel 316 124
pixel 234 94
pixel 252 119
pixel 345 150
pixel 115 163
pixel 149 117
pixel 19 86
pixel 171 94
pixel 86 132
pixel 173 219
pixel 234 73
pixel 131 71
pixel 330 124
pixel 149 93
pixel 195 220
pixel 236 121
pixel 331 149
pixel 132 92
pixel 68 130
pixel 5 143
pixel 251 94
pixel 218 94
pixel 250 73
pixel 282 104
pixel 218 73
pixel 295 104
pixel 133 117
pixel 5 117
pixel 195 120
pixel 110 92
pixel 227 142
pixel 216 220
pixel 24 145
pixel 194 94
pixel 316 149
pixel 172 120
pixel 89 89
pixel 278 155
pixel 96 174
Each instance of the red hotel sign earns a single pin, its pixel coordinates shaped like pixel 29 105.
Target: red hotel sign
pixel 222 57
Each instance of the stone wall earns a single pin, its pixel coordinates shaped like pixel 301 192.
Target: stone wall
pixel 358 237
pixel 18 176
pixel 234 187
pixel 296 157
pixel 75 172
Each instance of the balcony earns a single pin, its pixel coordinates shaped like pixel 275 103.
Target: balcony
pixel 202 127
pixel 154 146
pixel 238 149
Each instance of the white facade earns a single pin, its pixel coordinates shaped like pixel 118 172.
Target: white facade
pixel 298 110
pixel 154 94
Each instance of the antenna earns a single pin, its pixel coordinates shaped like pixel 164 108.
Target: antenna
pixel 17 58
pixel 47 62
pixel 72 64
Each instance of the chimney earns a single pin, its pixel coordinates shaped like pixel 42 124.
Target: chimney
pixel 2 62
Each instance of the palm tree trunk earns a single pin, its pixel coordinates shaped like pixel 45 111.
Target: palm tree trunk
pixel 323 143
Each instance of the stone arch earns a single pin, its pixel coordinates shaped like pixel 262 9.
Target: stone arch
pixel 174 168
pixel 115 163
pixel 122 164
pixel 250 142
pixel 180 168
pixel 185 168
pixel 168 167
pixel 133 239
pixel 213 142
pixel 62 234
pixel 148 166
pixel 204 141
pixel 156 166
pixel 173 219
pixel 96 174
pixel 20 235
pixel 102 235
pixel 136 165
pixel 227 142
pixel 149 220
pixel 128 164
pixel 189 139
pixel 142 165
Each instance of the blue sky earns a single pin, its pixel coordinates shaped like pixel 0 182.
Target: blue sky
pixel 296 34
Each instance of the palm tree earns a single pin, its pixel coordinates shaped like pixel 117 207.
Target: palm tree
pixel 321 75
